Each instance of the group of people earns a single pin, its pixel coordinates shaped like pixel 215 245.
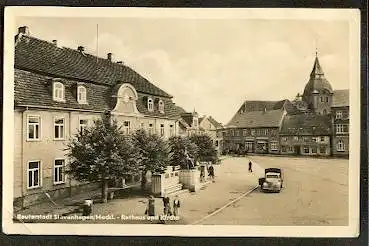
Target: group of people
pixel 150 210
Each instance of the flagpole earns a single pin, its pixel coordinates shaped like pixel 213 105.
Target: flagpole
pixel 97 42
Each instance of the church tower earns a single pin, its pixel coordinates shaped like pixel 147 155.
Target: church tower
pixel 318 91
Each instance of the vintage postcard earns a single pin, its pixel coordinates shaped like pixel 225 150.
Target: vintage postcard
pixel 182 122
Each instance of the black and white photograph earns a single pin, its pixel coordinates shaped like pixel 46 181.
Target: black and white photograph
pixel 181 122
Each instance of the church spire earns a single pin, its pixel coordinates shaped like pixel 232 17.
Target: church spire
pixel 317 71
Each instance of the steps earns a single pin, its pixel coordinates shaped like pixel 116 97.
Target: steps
pixel 173 188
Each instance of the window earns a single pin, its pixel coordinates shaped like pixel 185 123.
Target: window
pixel 252 132
pixel 58 92
pixel 245 132
pixel 284 149
pixel 295 138
pixel 142 125
pixel 81 94
pixel 161 106
pixel 326 99
pixel 274 145
pixel 306 149
pixel 340 145
pixel 339 115
pixel 313 149
pixel 216 143
pixel 34 174
pixel 171 130
pixel 126 127
pixel 321 99
pixel 151 129
pixel 82 125
pixel 314 139
pixel 150 105
pixel 285 139
pixel 232 133
pixel 162 130
pixel 59 128
pixel 322 139
pixel 59 171
pixel 340 128
pixel 237 133
pixel 33 128
pixel 322 149
pixel 290 148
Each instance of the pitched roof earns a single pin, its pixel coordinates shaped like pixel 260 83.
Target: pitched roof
pixel 40 56
pixel 214 122
pixel 271 118
pixel 32 89
pixel 341 98
pixel 317 69
pixel 306 124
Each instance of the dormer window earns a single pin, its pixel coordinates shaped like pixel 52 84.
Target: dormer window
pixel 150 104
pixel 58 92
pixel 81 94
pixel 161 106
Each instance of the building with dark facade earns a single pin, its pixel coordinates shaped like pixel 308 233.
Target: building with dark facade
pixel 305 134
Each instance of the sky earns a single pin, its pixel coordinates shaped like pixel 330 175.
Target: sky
pixel 211 65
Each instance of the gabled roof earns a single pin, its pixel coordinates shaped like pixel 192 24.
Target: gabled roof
pixel 254 119
pixel 341 98
pixel 215 123
pixel 250 106
pixel 32 54
pixel 306 124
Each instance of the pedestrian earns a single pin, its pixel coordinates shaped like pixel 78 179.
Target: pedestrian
pixel 211 172
pixel 176 205
pixel 150 210
pixel 250 166
pixel 167 208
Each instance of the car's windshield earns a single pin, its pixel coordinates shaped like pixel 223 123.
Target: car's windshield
pixel 272 176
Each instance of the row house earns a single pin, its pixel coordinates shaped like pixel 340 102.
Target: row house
pixel 189 123
pixel 59 91
pixel 340 123
pixel 208 125
pixel 255 131
pixel 306 134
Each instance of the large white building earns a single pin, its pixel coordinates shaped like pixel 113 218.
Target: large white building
pixel 59 90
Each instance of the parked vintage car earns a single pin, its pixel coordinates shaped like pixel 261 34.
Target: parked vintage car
pixel 272 181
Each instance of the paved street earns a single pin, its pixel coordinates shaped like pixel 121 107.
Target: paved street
pixel 315 193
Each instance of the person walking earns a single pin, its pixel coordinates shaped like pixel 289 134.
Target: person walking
pixel 150 210
pixel 176 205
pixel 167 209
pixel 211 173
pixel 250 166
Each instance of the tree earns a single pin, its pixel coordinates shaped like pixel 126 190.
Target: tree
pixel 179 145
pixel 102 152
pixel 154 151
pixel 206 149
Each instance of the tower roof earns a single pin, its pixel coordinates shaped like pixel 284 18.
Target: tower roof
pixel 317 81
pixel 317 69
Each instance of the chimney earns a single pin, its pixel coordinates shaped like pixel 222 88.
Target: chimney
pixel 110 56
pixel 55 42
pixel 24 30
pixel 81 48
